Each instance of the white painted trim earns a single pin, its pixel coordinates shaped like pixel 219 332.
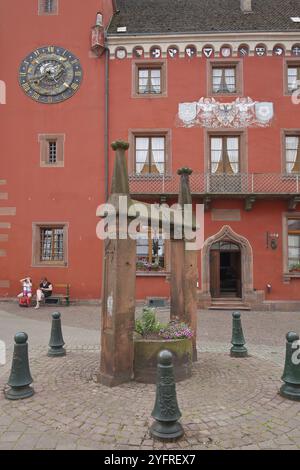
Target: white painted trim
pixel 217 40
pixel 4 285
pixel 8 211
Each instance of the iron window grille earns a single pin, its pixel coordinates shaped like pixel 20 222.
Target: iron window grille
pixel 48 7
pixel 52 156
pixel 52 244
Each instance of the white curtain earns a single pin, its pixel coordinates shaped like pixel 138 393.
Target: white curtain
pixel 230 80
pixel 46 244
pixel 143 81
pixel 233 153
pixel 155 81
pixel 294 249
pixel 141 154
pixel 216 153
pixel 217 79
pixel 293 76
pixel 292 147
pixel 158 153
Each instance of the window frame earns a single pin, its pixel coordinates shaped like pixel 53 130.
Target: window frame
pixel 287 275
pixel 167 268
pixel 36 244
pixel 289 233
pixel 42 11
pixel 52 152
pixel 44 140
pixel 288 133
pixel 149 162
pixel 139 64
pixel 237 64
pixel 144 133
pixel 289 62
pixel 149 78
pixel 224 132
pixel 224 137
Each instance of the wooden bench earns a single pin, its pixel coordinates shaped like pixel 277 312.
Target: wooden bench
pixel 59 298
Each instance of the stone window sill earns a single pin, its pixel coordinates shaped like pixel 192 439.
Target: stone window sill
pixel 152 274
pixel 288 276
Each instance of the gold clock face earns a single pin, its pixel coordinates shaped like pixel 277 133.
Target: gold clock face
pixel 50 74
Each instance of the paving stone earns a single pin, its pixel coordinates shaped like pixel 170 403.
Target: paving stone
pixel 225 405
pixel 10 436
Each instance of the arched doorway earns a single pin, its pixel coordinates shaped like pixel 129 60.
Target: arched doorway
pixel 227 240
pixel 225 270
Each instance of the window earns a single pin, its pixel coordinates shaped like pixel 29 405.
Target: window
pixel 225 77
pixel 150 154
pixel 293 244
pixel 150 252
pixel 149 79
pixel 51 150
pixel 293 77
pixel 49 244
pixel 224 80
pixel 48 7
pixel 225 246
pixel 292 154
pixel 225 154
pixel 52 244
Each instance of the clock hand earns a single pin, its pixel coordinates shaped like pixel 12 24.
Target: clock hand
pixel 38 78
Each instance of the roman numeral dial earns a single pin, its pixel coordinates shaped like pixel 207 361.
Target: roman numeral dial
pixel 50 74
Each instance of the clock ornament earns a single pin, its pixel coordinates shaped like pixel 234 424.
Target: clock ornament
pixel 50 74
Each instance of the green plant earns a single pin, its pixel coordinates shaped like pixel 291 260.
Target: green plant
pixel 147 323
pixel 295 267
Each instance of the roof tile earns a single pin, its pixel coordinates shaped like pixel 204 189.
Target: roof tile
pixel 198 16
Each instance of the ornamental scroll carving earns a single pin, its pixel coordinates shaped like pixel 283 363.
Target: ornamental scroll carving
pixel 243 112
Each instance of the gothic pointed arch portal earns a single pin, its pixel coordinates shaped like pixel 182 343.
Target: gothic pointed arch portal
pixel 229 235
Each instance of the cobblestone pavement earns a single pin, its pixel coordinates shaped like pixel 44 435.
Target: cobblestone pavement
pixel 227 404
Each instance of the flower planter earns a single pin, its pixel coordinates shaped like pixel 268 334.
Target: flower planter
pixel 145 358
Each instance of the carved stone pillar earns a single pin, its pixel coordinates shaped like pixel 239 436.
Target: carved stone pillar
pixel 184 271
pixel 118 295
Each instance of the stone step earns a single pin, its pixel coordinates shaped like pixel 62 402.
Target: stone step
pixel 229 306
pixel 229 303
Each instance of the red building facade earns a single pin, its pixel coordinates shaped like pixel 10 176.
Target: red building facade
pixel 208 86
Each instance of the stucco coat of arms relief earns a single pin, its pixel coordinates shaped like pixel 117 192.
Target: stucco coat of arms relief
pixel 243 112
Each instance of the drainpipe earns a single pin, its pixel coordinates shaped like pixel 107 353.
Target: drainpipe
pixel 106 119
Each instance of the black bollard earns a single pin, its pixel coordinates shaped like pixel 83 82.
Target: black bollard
pixel 166 411
pixel 238 341
pixel 20 376
pixel 56 342
pixel 291 375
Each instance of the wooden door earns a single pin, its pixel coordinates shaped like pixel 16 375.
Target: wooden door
pixel 215 273
pixel 236 264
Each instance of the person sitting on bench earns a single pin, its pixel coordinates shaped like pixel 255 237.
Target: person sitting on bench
pixel 26 289
pixel 44 291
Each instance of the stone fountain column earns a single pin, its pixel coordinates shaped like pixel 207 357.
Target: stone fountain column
pixel 118 292
pixel 184 270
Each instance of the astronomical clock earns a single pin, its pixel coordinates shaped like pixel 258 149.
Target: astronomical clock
pixel 50 74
